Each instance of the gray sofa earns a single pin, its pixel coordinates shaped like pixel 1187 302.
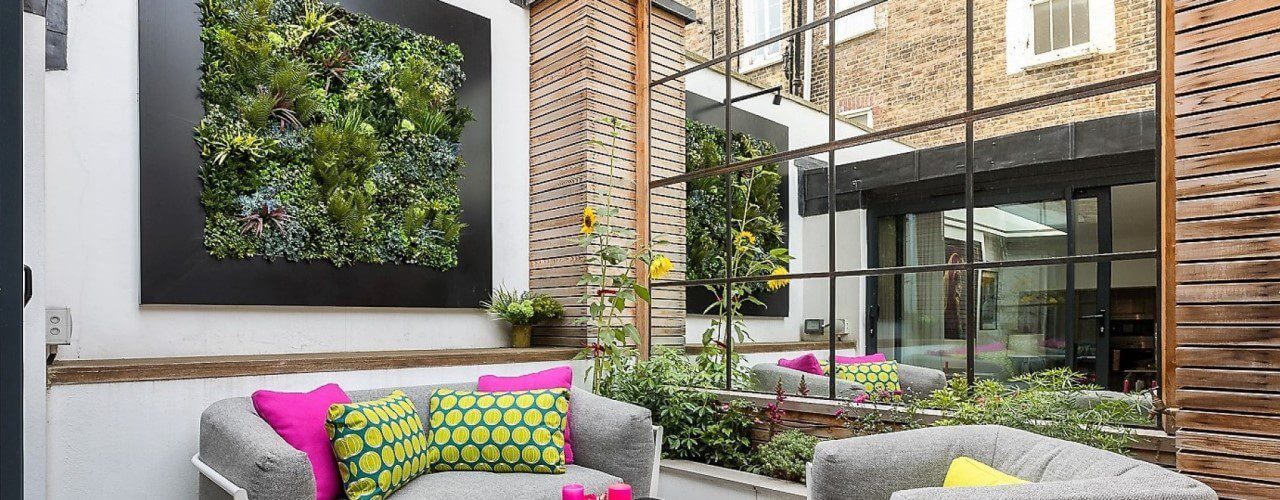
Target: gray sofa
pixel 911 465
pixel 243 457
pixel 915 380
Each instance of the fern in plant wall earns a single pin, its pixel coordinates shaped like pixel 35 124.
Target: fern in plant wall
pixel 328 136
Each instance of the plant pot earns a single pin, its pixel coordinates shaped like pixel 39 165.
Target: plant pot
pixel 521 335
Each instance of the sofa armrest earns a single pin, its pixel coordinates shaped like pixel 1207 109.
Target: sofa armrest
pixel 240 447
pixel 919 381
pixel 1103 487
pixel 876 466
pixel 613 437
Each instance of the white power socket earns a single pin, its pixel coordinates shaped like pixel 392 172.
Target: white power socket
pixel 57 325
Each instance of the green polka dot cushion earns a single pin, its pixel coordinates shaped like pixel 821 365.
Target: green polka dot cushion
pixel 380 445
pixel 519 431
pixel 877 377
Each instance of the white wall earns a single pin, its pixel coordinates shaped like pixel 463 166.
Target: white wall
pixel 33 374
pixel 807 126
pixel 135 440
pixel 92 217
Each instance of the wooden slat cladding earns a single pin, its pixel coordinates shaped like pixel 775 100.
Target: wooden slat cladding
pixel 583 67
pixel 1223 364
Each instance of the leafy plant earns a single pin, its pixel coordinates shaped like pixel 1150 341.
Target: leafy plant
pixel 1043 402
pixel 610 284
pixel 785 456
pixel 753 229
pixel 352 123
pixel 523 308
pixel 696 424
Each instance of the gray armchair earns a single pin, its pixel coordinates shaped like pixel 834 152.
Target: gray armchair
pixel 915 380
pixel 243 457
pixel 911 465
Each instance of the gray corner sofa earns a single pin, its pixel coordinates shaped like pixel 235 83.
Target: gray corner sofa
pixel 911 465
pixel 242 457
pixel 915 380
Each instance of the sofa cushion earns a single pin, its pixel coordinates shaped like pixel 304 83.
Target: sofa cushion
pixel 520 431
pixel 807 363
pixel 965 471
pixel 380 445
pixel 299 419
pixel 877 377
pixel 869 358
pixel 551 378
pixel 515 485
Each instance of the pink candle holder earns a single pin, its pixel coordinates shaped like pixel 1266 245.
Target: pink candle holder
pixel 573 492
pixel 620 491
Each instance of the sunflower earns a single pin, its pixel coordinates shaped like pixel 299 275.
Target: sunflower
pixel 746 236
pixel 660 266
pixel 774 285
pixel 588 220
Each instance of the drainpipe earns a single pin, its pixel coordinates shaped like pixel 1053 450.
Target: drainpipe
pixel 808 53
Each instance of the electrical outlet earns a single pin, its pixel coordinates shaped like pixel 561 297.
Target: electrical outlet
pixel 57 325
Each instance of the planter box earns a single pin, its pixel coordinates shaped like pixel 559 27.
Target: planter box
pixel 684 479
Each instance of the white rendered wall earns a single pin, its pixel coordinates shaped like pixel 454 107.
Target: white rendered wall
pixel 33 374
pixel 92 217
pixel 135 440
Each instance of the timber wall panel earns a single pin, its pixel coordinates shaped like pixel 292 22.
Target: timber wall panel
pixel 1225 357
pixel 583 69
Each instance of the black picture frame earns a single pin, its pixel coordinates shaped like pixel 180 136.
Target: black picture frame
pixel 176 267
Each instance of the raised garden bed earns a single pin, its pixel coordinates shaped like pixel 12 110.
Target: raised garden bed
pixel 685 479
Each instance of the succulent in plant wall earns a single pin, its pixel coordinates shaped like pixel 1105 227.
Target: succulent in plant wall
pixel 328 135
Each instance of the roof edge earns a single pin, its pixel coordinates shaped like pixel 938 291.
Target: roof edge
pixel 673 6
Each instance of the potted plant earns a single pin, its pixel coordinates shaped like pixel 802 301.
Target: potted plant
pixel 522 310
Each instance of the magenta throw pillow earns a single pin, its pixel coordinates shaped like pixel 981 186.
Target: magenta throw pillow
pixel 551 378
pixel 299 418
pixel 853 360
pixel 807 363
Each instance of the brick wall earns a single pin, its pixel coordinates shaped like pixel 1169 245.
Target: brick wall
pixel 911 68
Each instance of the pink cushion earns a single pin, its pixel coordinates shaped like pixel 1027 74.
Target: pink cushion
pixel 551 378
pixel 299 418
pixel 807 363
pixel 853 360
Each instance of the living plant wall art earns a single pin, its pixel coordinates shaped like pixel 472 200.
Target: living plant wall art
pixel 302 152
pixel 756 201
pixel 328 135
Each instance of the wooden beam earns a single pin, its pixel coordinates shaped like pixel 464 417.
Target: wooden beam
pixel 1168 208
pixel 643 134
pixel 100 371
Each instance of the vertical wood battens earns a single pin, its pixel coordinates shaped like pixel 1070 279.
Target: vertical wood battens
pixel 1221 175
pixel 586 64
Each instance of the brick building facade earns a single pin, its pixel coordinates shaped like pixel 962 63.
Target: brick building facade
pixel 911 66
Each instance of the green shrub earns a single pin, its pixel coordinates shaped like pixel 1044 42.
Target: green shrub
pixel 696 425
pixel 1043 402
pixel 785 456
pixel 343 132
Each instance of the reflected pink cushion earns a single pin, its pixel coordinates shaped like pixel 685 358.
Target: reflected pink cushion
pixel 551 378
pixel 807 363
pixel 299 418
pixel 853 360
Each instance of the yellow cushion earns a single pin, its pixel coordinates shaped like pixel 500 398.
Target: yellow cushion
pixel 966 471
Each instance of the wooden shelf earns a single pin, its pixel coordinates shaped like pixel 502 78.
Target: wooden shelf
pixel 101 371
pixel 759 347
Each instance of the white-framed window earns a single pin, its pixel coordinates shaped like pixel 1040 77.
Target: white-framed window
pixel 1047 32
pixel 761 19
pixel 861 116
pixel 856 24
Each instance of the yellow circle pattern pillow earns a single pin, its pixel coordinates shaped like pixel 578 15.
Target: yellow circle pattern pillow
pixel 380 445
pixel 518 431
pixel 881 376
